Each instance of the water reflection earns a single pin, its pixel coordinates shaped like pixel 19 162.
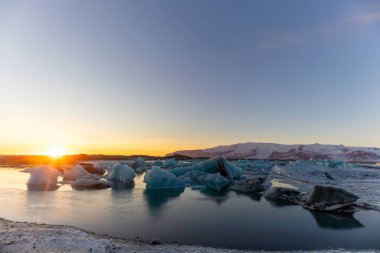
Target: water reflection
pixel 217 195
pixel 156 198
pixel 254 196
pixel 37 202
pixel 336 221
pixel 280 202
pixel 119 186
pixel 203 216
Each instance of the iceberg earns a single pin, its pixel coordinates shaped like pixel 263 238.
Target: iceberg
pixel 92 168
pixel 159 178
pixel 196 177
pixel 140 165
pixel 331 199
pixel 121 173
pixel 90 184
pixel 213 178
pixel 252 185
pixel 76 172
pixel 169 162
pixel 42 178
pixel 284 193
pixel 216 164
pixel 158 163
pixel 191 177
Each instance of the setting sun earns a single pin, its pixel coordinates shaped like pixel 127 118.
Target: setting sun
pixel 56 151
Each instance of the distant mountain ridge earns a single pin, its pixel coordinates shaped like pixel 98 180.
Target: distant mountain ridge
pixel 273 151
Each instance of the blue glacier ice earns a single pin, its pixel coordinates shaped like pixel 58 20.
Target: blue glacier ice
pixel 121 173
pixel 216 164
pixel 169 162
pixel 139 165
pixel 159 178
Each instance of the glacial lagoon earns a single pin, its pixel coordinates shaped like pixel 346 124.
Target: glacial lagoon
pixel 207 216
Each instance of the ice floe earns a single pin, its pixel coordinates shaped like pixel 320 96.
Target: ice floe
pixel 169 162
pixel 121 173
pixel 159 178
pixel 139 165
pixel 42 178
pixel 90 184
pixel 76 172
pixel 213 165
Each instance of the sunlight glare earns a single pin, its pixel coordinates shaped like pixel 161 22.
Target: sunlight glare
pixel 56 151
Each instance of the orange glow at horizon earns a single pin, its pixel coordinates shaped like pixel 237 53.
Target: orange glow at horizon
pixel 56 151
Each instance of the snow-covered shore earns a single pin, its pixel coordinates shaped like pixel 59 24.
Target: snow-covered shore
pixel 30 237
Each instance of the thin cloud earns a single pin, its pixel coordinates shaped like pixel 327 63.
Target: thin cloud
pixel 318 34
pixel 363 18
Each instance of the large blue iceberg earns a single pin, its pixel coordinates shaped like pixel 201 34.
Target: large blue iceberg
pixel 216 164
pixel 121 173
pixel 159 178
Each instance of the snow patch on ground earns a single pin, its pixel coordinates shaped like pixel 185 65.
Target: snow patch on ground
pixel 18 237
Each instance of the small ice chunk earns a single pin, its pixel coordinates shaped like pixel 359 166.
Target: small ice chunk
pixel 159 178
pixel 42 178
pixel 278 170
pixel 122 173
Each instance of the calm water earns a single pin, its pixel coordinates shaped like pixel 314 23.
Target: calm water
pixel 206 217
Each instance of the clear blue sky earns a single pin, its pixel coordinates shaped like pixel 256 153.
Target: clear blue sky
pixel 156 76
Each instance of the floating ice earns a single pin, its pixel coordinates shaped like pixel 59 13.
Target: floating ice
pixel 90 184
pixel 122 173
pixel 213 178
pixel 278 170
pixel 158 163
pixel 216 164
pixel 42 178
pixel 140 165
pixel 191 177
pixel 93 169
pixel 355 178
pixel 169 162
pixel 75 173
pixel 159 178
pixel 285 193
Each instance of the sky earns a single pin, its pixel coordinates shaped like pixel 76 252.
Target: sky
pixel 151 77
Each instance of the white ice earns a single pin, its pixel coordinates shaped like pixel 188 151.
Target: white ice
pixel 89 184
pixel 42 177
pixel 76 172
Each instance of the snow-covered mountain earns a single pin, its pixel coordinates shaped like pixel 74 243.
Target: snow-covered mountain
pixel 255 150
